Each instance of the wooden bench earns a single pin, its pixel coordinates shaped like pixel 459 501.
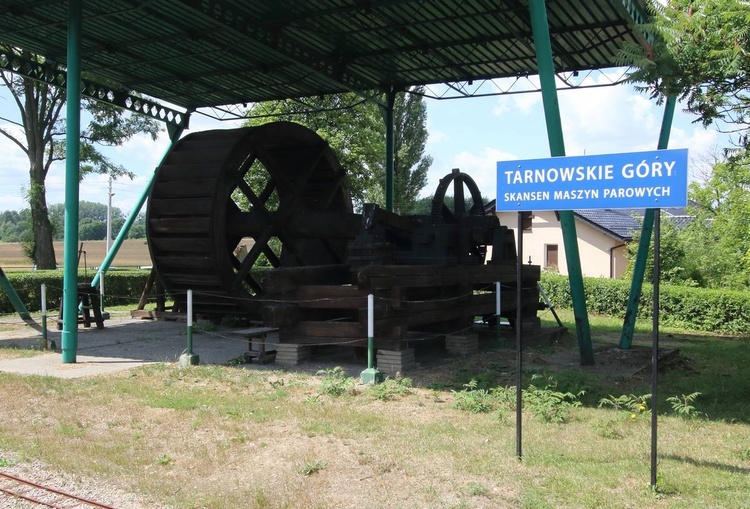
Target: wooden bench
pixel 260 356
pixel 88 301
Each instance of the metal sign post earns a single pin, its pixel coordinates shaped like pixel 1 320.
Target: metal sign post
pixel 519 343
pixel 655 345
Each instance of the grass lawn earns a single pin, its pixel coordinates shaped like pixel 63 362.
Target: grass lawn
pixel 226 437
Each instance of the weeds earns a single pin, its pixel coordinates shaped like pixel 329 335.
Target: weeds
pixel 391 388
pixel 549 404
pixel 313 467
pixel 682 405
pixel 164 460
pixel 632 404
pixel 474 400
pixel 335 382
pixel 545 403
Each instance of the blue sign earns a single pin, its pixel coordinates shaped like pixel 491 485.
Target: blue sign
pixel 656 179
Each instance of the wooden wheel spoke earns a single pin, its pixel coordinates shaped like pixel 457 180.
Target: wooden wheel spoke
pixel 252 256
pixel 245 166
pixel 256 202
pixel 267 190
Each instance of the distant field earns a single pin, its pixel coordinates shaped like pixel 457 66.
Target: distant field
pixel 132 253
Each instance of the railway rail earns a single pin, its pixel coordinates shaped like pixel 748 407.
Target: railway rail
pixel 38 495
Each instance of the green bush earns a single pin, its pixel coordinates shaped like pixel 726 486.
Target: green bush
pixel 699 309
pixel 121 287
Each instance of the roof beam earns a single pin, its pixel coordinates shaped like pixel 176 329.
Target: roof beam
pixel 125 99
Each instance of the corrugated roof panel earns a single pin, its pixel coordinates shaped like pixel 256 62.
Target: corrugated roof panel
pixel 212 52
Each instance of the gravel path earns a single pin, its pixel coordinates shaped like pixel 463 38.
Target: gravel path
pixel 92 489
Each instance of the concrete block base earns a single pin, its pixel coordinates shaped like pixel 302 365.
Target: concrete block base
pixel 290 354
pixel 396 361
pixel 464 344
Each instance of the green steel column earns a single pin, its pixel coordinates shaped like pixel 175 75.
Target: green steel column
pixel 540 27
pixel 15 300
pixel 387 109
pixel 639 269
pixel 72 161
pixel 174 135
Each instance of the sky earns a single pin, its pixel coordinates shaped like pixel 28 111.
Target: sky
pixel 469 134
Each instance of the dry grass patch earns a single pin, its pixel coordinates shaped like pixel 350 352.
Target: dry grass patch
pixel 132 253
pixel 226 437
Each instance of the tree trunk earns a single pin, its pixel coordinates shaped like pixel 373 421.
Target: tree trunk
pixel 44 250
pixel 36 128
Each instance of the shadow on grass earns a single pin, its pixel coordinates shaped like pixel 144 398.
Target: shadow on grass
pixel 707 464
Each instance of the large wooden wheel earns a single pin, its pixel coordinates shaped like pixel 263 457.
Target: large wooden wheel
pixel 276 188
pixel 466 248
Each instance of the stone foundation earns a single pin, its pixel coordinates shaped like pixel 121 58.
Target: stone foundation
pixel 290 354
pixel 395 361
pixel 464 344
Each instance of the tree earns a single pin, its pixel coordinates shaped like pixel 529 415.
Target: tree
pixel 350 125
pixel 675 266
pixel 701 54
pixel 410 165
pixel 40 106
pixel 355 130
pixel 13 225
pixel 137 229
pixel 92 220
pixel 721 231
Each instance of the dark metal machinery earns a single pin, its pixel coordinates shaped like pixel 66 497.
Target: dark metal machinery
pixel 281 186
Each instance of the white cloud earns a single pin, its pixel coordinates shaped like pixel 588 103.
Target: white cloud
pixel 515 103
pixel 482 167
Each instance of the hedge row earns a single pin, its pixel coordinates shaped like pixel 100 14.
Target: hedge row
pixel 700 309
pixel 121 287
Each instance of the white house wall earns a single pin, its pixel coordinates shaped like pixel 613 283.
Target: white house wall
pixel 593 245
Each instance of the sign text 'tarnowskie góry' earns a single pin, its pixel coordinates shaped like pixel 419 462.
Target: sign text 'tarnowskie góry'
pixel 656 179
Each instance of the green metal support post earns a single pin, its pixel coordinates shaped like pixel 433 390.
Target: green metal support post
pixel 639 269
pixel 72 161
pixel 15 300
pixel 545 64
pixel 174 134
pixel 387 111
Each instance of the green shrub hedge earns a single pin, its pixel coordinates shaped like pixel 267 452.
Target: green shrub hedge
pixel 121 287
pixel 700 309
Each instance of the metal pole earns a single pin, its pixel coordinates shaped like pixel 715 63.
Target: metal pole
pixel 655 345
pixel 545 64
pixel 109 238
pixel 370 331
pixel 111 253
pixel 188 358
pixel 519 343
pixel 72 162
pixel 499 341
pixel 45 345
pixel 371 375
pixel 639 269
pixel 189 350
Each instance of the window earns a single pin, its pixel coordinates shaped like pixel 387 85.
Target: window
pixel 550 256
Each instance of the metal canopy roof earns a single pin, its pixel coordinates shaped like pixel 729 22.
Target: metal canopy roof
pixel 198 53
